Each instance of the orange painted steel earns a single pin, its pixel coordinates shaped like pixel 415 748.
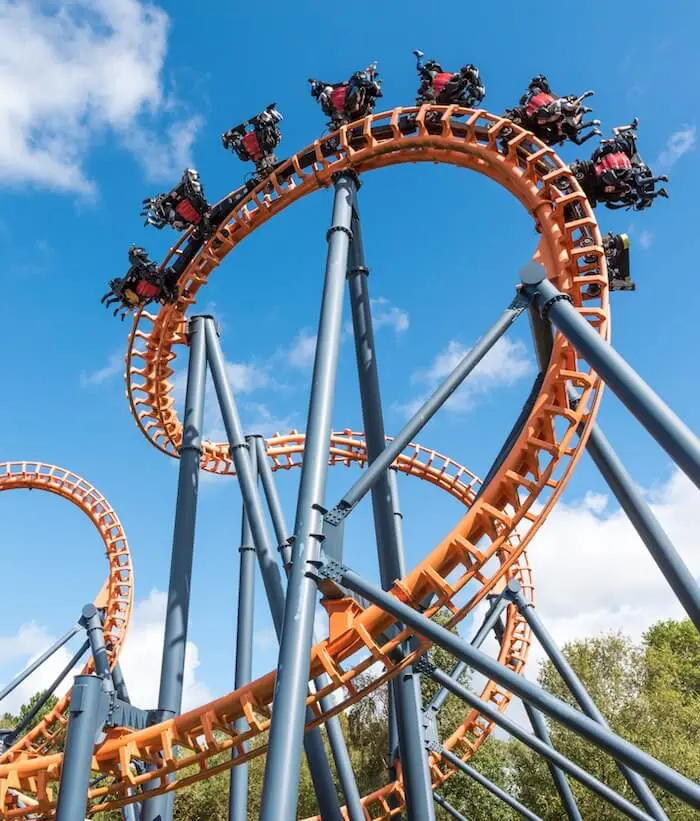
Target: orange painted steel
pixel 116 597
pixel 485 547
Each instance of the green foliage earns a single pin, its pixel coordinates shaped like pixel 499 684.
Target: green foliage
pixel 649 692
pixel 9 720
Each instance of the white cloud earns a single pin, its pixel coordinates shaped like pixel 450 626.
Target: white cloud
pixel 593 573
pixel 142 653
pixel 503 365
pixel 77 69
pixel 646 239
pixel 384 314
pixel 140 659
pixel 301 353
pixel 678 144
pixel 114 366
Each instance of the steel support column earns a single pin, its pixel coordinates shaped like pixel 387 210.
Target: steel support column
pixel 579 692
pixel 83 720
pixel 238 782
pixel 494 789
pixel 616 746
pixel 178 606
pixel 545 750
pixel 429 408
pixel 646 524
pixel 269 569
pixel 670 432
pixel 440 801
pixel 406 699
pixel 336 740
pixel 561 785
pixel 280 787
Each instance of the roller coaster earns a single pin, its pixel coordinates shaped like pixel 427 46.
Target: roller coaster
pixel 95 751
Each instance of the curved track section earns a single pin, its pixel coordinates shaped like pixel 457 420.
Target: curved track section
pixel 286 452
pixel 484 548
pixel 116 597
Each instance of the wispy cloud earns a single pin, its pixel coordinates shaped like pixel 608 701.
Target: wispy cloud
pixel 114 366
pixel 387 315
pixel 505 364
pixel 301 353
pixel 678 144
pixel 646 239
pixel 75 70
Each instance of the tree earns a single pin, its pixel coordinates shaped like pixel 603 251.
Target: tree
pixel 10 721
pixel 649 694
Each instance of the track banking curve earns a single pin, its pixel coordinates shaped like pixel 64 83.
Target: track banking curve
pixel 484 548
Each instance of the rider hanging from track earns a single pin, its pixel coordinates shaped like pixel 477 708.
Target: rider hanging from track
pixel 551 118
pixel 142 283
pixel 182 207
pixel 352 100
pixel 616 174
pixel 256 139
pixel 440 87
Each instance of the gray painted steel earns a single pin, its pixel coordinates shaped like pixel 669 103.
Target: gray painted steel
pixel 579 692
pixel 448 807
pixel 620 749
pixel 646 524
pixel 430 407
pixel 270 571
pixel 494 789
pixel 561 784
pixel 546 751
pixel 160 807
pixel 670 432
pixel 83 719
pixel 39 661
pixel 406 700
pixel 238 784
pixel 92 622
pixel 280 787
pixel 490 620
pixel 334 731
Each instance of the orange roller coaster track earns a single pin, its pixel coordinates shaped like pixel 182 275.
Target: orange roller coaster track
pixel 485 547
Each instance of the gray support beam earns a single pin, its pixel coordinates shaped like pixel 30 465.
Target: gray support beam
pixel 560 783
pixel 490 620
pixel 92 622
pixel 17 680
pixel 681 444
pixel 280 787
pixel 429 409
pixel 440 801
pixel 83 720
pixel 616 746
pixel 172 668
pixel 546 751
pixel 648 527
pixel 273 503
pixel 406 699
pixel 494 789
pixel 579 692
pixel 238 782
pixel 269 569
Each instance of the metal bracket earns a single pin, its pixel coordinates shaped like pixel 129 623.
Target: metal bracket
pixel 123 714
pixel 338 513
pixel 424 666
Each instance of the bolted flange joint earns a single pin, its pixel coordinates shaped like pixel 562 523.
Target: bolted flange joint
pixel 334 228
pixel 545 307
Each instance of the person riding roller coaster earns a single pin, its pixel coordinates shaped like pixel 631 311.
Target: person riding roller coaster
pixel 255 141
pixel 440 87
pixel 551 118
pixel 616 174
pixel 144 282
pixel 182 207
pixel 352 100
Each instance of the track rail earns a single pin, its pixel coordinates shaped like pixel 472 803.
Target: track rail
pixel 484 548
pixel 116 597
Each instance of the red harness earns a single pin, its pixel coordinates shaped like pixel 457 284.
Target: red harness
pixel 537 102
pixel 440 81
pixel 338 96
pixel 188 212
pixel 252 146
pixel 609 162
pixel 147 290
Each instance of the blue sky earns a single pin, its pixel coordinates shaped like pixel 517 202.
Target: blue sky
pixel 104 103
